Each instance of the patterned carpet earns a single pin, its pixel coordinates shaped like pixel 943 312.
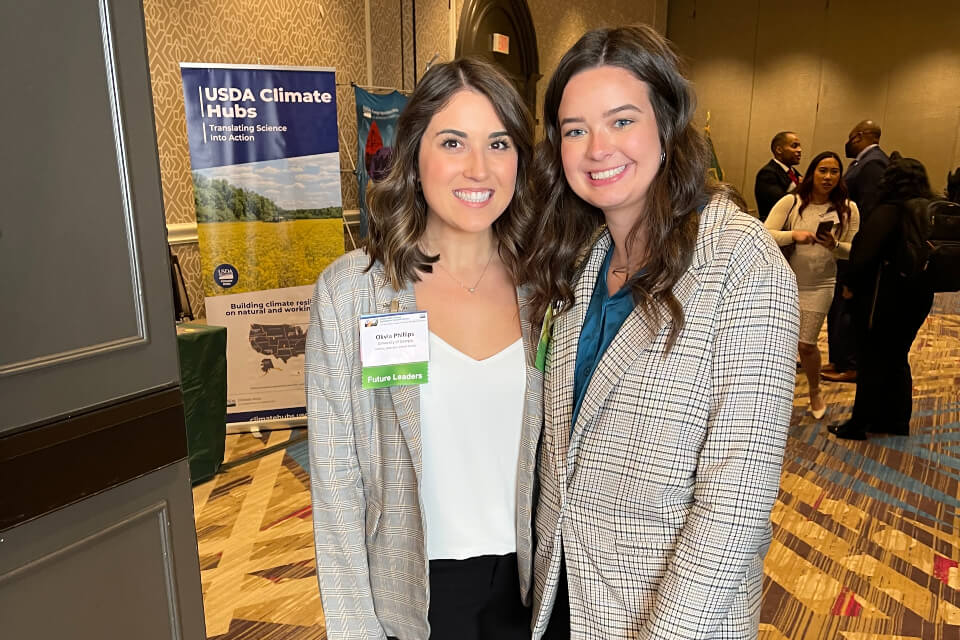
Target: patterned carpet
pixel 866 539
pixel 256 542
pixel 866 534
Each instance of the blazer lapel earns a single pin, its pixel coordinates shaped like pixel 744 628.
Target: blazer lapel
pixel 852 171
pixel 563 357
pixel 406 398
pixel 529 440
pixel 782 176
pixel 637 334
pixel 533 393
pixel 529 341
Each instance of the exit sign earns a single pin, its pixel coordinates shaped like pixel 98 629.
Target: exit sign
pixel 501 44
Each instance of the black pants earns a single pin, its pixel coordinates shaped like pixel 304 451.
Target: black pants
pixel 559 626
pixel 841 331
pixel 884 399
pixel 477 599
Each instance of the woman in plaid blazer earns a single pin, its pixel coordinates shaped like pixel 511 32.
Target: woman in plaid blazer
pixel 670 371
pixel 422 495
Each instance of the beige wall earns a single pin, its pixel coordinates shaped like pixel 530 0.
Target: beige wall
pixel 818 68
pixel 327 34
pixel 560 24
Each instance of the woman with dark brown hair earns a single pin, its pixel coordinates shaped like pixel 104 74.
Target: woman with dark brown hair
pixel 423 402
pixel 669 371
pixel 818 224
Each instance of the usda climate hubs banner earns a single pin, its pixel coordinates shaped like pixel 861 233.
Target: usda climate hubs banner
pixel 264 154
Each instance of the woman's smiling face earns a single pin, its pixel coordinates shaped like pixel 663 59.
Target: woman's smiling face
pixel 468 164
pixel 610 145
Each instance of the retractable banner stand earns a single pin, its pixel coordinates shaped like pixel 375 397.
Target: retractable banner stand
pixel 265 159
pixel 376 132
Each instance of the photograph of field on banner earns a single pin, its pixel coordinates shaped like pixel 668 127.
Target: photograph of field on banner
pixel 278 223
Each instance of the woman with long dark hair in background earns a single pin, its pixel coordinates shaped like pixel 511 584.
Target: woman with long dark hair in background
pixel 817 223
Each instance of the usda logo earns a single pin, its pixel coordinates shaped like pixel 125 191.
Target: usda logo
pixel 226 275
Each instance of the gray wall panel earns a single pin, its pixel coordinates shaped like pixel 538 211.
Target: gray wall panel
pixel 107 567
pixel 66 228
pixel 82 234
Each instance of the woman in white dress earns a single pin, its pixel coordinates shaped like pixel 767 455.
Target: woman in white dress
pixel 817 223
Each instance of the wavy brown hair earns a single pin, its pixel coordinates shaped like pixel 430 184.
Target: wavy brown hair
pixel 838 195
pixel 566 223
pixel 398 210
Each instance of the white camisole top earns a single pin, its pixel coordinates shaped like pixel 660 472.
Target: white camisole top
pixel 471 416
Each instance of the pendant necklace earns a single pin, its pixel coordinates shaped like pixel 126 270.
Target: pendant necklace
pixel 472 289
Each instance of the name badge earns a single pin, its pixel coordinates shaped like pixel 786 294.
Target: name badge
pixel 394 349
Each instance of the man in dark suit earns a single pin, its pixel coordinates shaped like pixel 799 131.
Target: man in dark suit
pixel 863 183
pixel 778 177
pixel 869 163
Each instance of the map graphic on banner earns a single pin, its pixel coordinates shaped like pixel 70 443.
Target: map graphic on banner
pixel 376 132
pixel 264 154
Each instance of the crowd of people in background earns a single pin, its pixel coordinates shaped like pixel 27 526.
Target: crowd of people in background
pixel 843 235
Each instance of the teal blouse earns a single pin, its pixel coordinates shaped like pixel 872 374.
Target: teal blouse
pixel 605 316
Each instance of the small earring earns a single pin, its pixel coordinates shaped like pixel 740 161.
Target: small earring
pixel 663 157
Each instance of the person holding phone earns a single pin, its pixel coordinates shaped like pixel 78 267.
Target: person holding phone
pixel 817 223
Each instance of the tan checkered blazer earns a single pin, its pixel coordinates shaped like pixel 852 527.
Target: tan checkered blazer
pixel 662 495
pixel 365 465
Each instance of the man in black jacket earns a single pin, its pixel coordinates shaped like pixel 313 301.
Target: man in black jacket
pixel 869 163
pixel 888 307
pixel 778 177
pixel 863 184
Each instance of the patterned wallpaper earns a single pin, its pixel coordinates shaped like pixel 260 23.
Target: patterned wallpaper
pixel 328 34
pixel 189 257
pixel 385 35
pixel 433 33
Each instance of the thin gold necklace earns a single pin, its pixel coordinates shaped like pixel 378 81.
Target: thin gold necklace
pixel 472 289
pixel 623 271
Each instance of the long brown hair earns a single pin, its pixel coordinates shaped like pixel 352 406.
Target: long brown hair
pixel 566 222
pixel 398 210
pixel 838 195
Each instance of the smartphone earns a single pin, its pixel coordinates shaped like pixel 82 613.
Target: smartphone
pixel 825 227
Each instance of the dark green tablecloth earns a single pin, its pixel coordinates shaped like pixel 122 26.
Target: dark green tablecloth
pixel 203 374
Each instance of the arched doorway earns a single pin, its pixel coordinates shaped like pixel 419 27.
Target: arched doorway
pixel 501 31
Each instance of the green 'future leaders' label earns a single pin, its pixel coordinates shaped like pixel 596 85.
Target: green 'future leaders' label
pixel 394 375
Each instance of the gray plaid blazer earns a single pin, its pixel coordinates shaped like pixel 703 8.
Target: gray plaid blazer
pixel 365 465
pixel 660 500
